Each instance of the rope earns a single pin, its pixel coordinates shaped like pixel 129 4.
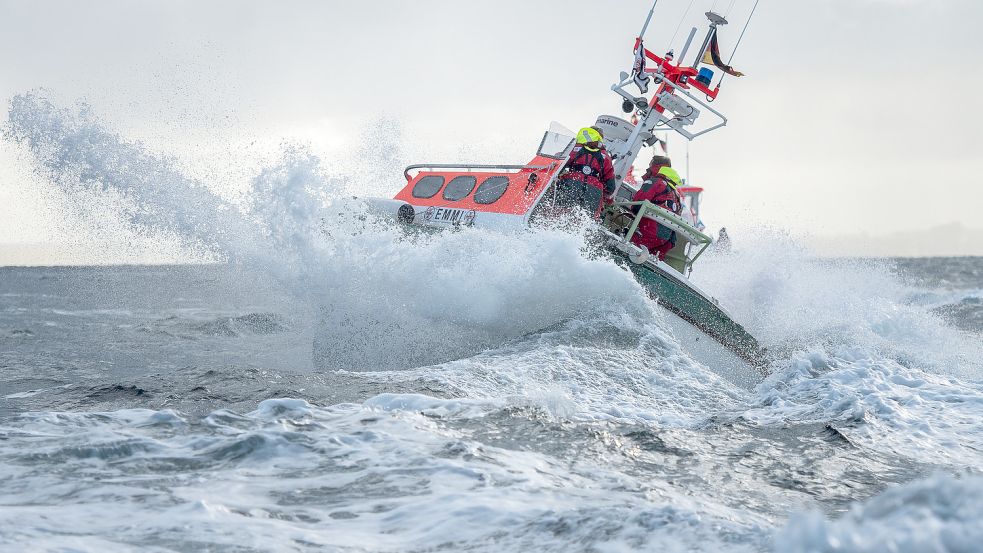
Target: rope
pixel 739 39
pixel 678 26
pixel 729 8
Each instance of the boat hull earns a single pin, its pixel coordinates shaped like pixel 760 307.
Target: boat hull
pixel 676 294
pixel 709 352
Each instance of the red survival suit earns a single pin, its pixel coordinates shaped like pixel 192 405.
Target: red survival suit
pixel 587 179
pixel 661 191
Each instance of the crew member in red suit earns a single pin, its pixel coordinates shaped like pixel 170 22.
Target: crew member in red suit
pixel 659 185
pixel 588 177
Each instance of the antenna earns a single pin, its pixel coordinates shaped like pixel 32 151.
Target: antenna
pixel 688 180
pixel 648 19
pixel 739 39
pixel 689 41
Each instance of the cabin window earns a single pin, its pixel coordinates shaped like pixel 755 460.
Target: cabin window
pixel 428 186
pixel 459 187
pixel 491 190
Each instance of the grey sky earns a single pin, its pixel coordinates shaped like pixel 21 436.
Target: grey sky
pixel 853 113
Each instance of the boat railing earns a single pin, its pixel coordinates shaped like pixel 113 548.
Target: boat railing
pixel 694 236
pixel 676 122
pixel 472 167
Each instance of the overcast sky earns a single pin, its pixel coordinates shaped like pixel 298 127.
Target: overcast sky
pixel 855 115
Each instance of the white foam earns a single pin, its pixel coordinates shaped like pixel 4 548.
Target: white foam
pixel 503 320
pixel 936 514
pixel 349 476
pixel 274 409
pixel 431 406
pixel 791 300
pixel 933 298
pixel 610 364
pixel 383 298
pixel 32 393
pixel 879 405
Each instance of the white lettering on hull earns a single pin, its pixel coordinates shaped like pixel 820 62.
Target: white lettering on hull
pixel 450 216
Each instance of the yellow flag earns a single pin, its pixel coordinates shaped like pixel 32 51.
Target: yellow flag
pixel 712 57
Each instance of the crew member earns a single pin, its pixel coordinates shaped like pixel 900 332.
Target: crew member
pixel 600 132
pixel 659 185
pixel 588 177
pixel 723 241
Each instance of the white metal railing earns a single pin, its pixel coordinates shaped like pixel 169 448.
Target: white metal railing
pixel 661 119
pixel 470 167
pixel 665 217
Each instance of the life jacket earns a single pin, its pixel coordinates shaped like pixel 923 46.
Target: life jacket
pixel 589 166
pixel 658 190
pixel 661 192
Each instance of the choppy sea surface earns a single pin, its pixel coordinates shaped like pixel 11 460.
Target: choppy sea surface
pixel 337 384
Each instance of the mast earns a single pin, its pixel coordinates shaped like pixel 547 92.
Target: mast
pixel 677 103
pixel 648 19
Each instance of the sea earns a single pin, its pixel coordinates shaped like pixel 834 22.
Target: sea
pixel 331 382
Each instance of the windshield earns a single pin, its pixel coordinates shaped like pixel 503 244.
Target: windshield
pixel 556 142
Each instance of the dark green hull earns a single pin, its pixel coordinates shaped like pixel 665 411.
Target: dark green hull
pixel 673 293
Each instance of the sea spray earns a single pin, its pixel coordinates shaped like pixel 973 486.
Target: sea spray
pixel 78 154
pixel 372 288
pixel 540 402
pixel 793 301
pixel 940 513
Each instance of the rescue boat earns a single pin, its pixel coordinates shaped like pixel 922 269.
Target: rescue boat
pixel 513 197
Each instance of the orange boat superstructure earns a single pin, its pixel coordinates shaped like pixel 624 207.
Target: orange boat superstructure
pixel 493 196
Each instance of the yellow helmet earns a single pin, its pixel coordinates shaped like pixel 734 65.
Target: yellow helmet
pixel 587 135
pixel 671 175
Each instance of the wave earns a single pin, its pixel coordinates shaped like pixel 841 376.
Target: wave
pixel 250 323
pixel 382 298
pixel 507 306
pixel 935 514
pixel 385 473
pixel 409 471
pixel 962 308
pixel 855 352
pixel 515 330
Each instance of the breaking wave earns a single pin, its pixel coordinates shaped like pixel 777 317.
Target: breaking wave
pixel 373 289
pixel 543 400
pixel 935 514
